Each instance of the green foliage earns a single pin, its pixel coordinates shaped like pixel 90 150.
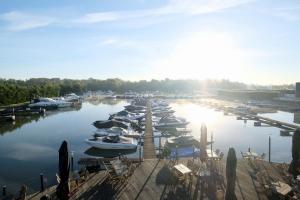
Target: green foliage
pixel 18 91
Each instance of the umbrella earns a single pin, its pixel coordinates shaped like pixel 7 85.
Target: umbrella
pixel 203 143
pixel 62 190
pixel 231 175
pixel 295 164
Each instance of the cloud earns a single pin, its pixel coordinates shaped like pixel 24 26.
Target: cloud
pixel 26 151
pixel 173 7
pixel 19 21
pixel 116 42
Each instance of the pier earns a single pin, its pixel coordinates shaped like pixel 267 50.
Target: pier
pixel 149 147
pixel 265 120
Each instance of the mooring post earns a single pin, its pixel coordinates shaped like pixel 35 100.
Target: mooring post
pixel 193 153
pixel 42 181
pixel 4 190
pixel 176 154
pixel 140 151
pixel 72 161
pixel 269 149
pixel 159 146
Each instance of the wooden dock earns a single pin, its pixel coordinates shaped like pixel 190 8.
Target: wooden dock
pixel 152 180
pixel 266 120
pixel 149 147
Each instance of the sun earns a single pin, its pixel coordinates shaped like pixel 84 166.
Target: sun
pixel 205 55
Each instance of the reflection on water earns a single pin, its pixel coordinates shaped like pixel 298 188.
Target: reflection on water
pixel 229 132
pixel 292 118
pixel 31 147
pixel 108 153
pixel 6 127
pixel 104 101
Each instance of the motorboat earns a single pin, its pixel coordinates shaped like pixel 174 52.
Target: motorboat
pixel 181 141
pixel 113 142
pixel 72 97
pixel 110 123
pixel 116 131
pixel 49 103
pixel 62 103
pixel 174 123
pixel 110 131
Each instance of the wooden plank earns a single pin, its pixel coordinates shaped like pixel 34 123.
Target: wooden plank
pixel 149 147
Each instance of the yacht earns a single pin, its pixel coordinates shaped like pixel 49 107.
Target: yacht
pixel 116 131
pixel 49 103
pixel 112 142
pixel 72 97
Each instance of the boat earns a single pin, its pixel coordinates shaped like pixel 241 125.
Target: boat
pixel 112 142
pixel 62 103
pixel 72 97
pixel 181 141
pixel 43 103
pixel 110 123
pixel 116 131
pixel 172 122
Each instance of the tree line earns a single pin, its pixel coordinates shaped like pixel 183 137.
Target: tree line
pixel 16 91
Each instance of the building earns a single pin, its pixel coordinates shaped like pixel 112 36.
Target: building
pixel 298 89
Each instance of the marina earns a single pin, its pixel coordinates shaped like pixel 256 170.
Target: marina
pixel 147 156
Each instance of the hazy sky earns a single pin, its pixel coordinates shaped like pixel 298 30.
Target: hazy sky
pixel 241 40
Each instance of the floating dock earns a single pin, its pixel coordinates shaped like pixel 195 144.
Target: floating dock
pixel 149 147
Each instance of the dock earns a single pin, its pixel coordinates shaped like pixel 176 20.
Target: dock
pixel 149 147
pixel 266 120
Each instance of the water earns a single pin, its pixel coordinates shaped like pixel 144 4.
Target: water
pixel 31 146
pixel 229 132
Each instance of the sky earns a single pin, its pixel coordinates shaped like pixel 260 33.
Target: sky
pixel 250 41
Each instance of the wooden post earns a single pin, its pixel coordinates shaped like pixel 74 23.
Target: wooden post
pixel 140 151
pixel 269 149
pixel 159 146
pixel 42 181
pixel 176 154
pixel 4 190
pixel 193 153
pixel 72 163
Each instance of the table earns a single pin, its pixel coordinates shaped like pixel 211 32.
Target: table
pixel 119 167
pixel 211 154
pixel 281 188
pixel 251 154
pixel 182 169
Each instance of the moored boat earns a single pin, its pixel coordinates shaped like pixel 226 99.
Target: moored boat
pixel 112 142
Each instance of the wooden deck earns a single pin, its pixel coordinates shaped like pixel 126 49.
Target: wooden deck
pixel 149 147
pixel 151 180
pixel 81 192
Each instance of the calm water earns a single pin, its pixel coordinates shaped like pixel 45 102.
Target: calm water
pixel 31 146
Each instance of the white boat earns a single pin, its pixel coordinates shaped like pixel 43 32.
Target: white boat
pixel 48 102
pixel 62 103
pixel 112 142
pixel 117 131
pixel 72 97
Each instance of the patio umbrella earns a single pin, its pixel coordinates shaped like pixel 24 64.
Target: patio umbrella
pixel 295 164
pixel 230 175
pixel 203 143
pixel 62 190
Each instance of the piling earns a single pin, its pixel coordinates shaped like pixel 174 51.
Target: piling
pixel 4 190
pixel 42 181
pixel 269 149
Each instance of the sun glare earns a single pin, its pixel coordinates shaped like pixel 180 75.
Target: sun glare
pixel 205 55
